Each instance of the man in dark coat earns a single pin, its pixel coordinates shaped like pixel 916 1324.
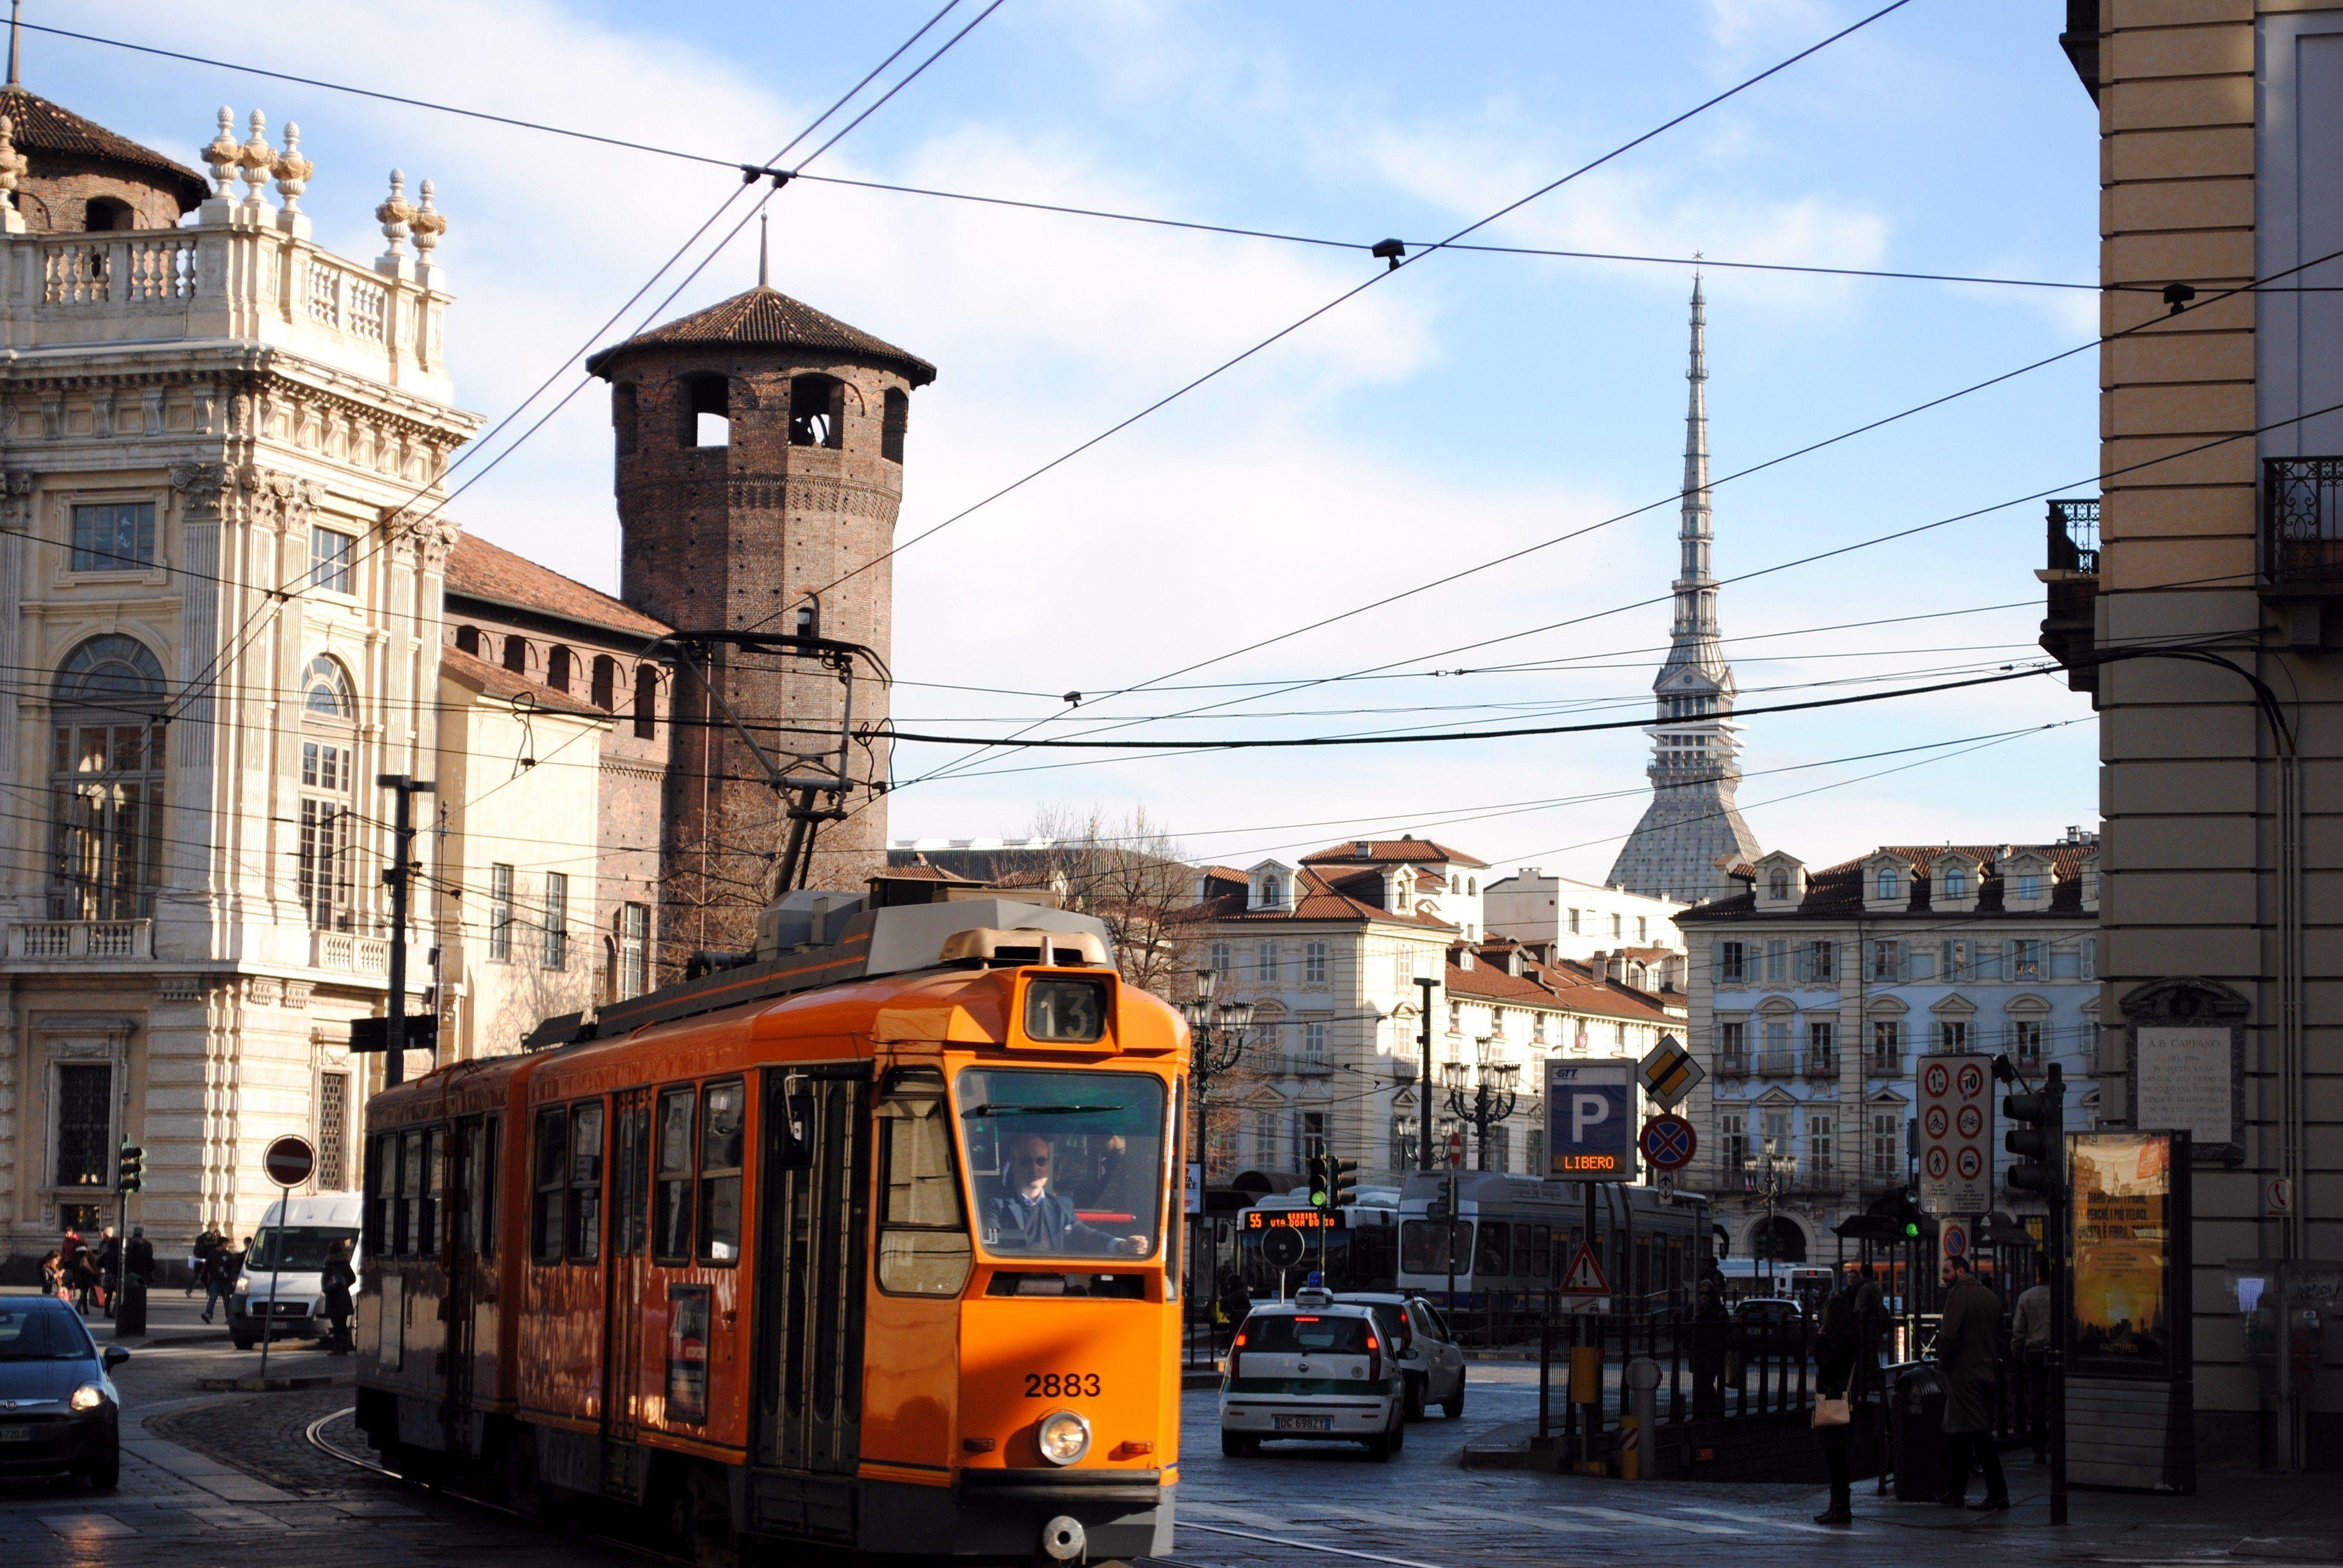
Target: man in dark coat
pixel 109 1269
pixel 138 1258
pixel 1027 1217
pixel 1968 1356
pixel 1712 1339
pixel 338 1277
pixel 1838 1342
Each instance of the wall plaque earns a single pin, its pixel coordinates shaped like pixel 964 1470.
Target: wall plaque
pixel 2187 1039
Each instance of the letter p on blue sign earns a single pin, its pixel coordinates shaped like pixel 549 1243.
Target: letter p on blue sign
pixel 1589 1120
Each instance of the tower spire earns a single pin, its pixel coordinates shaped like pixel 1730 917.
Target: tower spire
pixel 764 246
pixel 1693 821
pixel 15 43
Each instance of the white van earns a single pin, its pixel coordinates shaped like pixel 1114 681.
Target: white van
pixel 282 1282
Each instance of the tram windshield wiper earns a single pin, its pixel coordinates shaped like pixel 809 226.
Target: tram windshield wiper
pixel 991 1109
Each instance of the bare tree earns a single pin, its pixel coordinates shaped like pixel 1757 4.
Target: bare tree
pixel 1131 873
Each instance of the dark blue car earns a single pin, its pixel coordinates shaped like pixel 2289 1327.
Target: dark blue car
pixel 59 1410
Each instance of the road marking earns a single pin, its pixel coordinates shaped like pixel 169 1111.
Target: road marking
pixel 1659 1520
pixel 1309 1546
pixel 1464 1515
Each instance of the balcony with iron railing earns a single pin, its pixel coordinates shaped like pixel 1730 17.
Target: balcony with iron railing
pixel 1822 1064
pixel 2302 536
pixel 1776 1064
pixel 1735 1066
pixel 2070 579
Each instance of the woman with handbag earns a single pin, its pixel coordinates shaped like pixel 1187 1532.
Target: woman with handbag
pixel 1836 1343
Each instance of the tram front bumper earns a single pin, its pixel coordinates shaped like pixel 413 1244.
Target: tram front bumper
pixel 1010 1512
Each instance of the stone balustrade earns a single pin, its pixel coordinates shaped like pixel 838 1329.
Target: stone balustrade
pixel 75 941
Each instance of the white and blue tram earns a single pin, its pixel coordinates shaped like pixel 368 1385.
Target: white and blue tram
pixel 1510 1237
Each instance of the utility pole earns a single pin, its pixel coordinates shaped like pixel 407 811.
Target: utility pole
pixel 400 879
pixel 1427 984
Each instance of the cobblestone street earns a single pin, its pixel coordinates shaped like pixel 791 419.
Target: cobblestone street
pixel 224 1479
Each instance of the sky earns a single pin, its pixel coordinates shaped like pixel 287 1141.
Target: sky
pixel 1461 408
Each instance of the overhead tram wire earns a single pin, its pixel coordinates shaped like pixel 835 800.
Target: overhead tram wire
pixel 1056 208
pixel 390 536
pixel 959 764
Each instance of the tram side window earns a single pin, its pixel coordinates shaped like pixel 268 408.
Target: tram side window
pixel 463 1188
pixel 380 1157
pixel 1492 1256
pixel 1425 1247
pixel 485 1199
pixel 427 1222
pixel 586 1184
pixel 552 1176
pixel 1542 1253
pixel 630 1150
pixel 1524 1247
pixel 671 1205
pixel 923 1246
pixel 411 1189
pixel 722 1144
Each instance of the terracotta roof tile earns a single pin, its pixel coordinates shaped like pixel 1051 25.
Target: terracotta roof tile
pixel 1387 851
pixel 495 680
pixel 41 126
pixel 766 317
pixel 1319 901
pixel 494 575
pixel 1838 889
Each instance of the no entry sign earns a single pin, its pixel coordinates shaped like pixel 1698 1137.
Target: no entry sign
pixel 289 1160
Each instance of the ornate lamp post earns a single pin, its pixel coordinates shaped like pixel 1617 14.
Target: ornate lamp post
pixel 1218 1037
pixel 1484 1092
pixel 1769 1174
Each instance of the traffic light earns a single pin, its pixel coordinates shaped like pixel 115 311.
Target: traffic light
pixel 130 1167
pixel 2038 1116
pixel 1322 1188
pixel 1344 1181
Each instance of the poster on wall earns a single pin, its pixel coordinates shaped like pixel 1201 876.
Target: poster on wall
pixel 2122 1213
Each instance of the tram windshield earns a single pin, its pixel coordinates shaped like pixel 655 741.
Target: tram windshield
pixel 1066 1164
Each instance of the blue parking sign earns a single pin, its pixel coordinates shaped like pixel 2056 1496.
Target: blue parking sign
pixel 1589 1120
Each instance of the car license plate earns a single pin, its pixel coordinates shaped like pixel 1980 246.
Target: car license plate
pixel 15 1434
pixel 1305 1423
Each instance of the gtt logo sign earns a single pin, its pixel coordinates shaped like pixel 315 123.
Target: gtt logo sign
pixel 1590 1119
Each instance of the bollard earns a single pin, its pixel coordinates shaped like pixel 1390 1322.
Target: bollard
pixel 1639 1459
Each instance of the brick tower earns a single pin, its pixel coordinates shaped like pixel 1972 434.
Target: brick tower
pixel 760 460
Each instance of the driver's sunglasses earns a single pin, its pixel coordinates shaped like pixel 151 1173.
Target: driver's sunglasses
pixel 1039 1161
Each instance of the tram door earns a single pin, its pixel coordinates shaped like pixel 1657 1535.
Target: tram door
pixel 813 1210
pixel 630 1212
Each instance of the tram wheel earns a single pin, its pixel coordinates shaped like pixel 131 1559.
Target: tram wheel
pixel 702 1521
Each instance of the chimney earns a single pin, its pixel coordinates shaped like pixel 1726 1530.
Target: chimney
pixel 1362 850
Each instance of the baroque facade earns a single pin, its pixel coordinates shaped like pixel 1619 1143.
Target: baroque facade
pixel 1815 993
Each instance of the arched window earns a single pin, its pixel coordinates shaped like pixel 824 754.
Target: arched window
pixel 468 640
pixel 705 403
pixel 646 701
pixel 106 214
pixel 556 669
pixel 817 411
pixel 323 872
pixel 517 654
pixel 809 618
pixel 326 690
pixel 894 414
pixel 106 781
pixel 1887 888
pixel 1956 882
pixel 605 689
pixel 1778 883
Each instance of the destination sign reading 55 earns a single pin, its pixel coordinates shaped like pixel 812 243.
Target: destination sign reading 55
pixel 1258 1220
pixel 1590 1119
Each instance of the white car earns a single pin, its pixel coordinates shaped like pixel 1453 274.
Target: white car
pixel 1312 1369
pixel 1429 1356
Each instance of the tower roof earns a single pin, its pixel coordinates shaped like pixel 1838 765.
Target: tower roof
pixel 767 318
pixel 43 128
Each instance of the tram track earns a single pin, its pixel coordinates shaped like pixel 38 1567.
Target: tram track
pixel 314 1435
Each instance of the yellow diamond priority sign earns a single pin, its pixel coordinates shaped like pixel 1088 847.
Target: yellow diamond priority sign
pixel 1669 1073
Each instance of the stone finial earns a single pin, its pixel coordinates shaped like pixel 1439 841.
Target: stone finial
pixel 225 152
pixel 259 160
pixel 293 170
pixel 397 214
pixel 428 223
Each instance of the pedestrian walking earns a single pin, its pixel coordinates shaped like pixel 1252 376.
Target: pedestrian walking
pixel 338 1277
pixel 199 1257
pixel 109 1269
pixel 1968 1357
pixel 219 1277
pixel 1711 1338
pixel 2031 1328
pixel 1838 1344
pixel 81 1278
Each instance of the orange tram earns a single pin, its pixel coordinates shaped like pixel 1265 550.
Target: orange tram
pixel 869 1244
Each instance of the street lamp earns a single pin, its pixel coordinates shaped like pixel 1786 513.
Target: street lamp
pixel 1484 1092
pixel 1218 1037
pixel 1773 1171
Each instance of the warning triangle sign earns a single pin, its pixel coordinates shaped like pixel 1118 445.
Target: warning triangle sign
pixel 1584 1276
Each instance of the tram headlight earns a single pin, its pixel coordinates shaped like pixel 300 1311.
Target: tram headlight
pixel 1064 1437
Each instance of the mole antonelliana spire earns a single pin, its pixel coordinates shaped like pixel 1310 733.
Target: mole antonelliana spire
pixel 1693 821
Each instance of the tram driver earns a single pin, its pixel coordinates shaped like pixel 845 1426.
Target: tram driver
pixel 1026 1216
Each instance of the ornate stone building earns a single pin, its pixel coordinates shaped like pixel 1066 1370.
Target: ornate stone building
pixel 1693 830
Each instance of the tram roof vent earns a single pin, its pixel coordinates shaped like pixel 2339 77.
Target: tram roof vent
pixel 1024 945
